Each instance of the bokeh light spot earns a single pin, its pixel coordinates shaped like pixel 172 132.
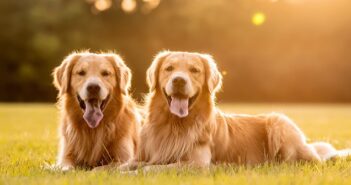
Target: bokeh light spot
pixel 258 18
pixel 128 5
pixel 224 72
pixel 149 5
pixel 102 5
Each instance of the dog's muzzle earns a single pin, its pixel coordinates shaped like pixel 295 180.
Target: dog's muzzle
pixel 178 100
pixel 93 105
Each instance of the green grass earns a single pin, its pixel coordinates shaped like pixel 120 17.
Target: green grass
pixel 28 139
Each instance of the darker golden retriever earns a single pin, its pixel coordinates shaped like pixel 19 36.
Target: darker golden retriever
pixel 99 120
pixel 184 127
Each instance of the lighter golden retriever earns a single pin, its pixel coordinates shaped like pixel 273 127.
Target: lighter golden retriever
pixel 99 120
pixel 184 127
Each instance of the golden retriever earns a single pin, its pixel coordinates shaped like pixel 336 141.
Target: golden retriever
pixel 99 120
pixel 183 126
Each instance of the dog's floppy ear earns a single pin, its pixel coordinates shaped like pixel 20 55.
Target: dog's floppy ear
pixel 123 73
pixel 213 76
pixel 153 70
pixel 62 73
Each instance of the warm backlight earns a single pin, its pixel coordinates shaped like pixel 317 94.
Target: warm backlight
pixel 258 18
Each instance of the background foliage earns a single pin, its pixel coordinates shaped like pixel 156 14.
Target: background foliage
pixel 302 52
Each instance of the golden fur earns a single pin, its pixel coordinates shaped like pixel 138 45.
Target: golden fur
pixel 116 138
pixel 207 135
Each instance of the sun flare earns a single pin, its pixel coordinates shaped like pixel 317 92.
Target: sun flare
pixel 258 18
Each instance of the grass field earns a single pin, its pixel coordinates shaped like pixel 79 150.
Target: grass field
pixel 28 139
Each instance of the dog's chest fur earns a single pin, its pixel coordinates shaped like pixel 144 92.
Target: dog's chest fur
pixel 171 142
pixel 166 139
pixel 90 147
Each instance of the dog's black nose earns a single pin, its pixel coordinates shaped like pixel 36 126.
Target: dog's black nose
pixel 179 82
pixel 93 88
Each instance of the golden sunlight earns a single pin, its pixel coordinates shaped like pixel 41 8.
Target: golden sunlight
pixel 128 5
pixel 150 5
pixel 258 18
pixel 103 5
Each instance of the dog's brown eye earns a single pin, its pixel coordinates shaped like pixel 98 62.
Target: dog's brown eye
pixel 105 73
pixel 169 68
pixel 81 73
pixel 194 70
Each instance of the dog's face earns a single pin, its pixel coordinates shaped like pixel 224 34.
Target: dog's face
pixel 92 79
pixel 182 77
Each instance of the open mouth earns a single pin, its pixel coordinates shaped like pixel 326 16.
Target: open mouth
pixel 93 110
pixel 180 104
pixel 82 103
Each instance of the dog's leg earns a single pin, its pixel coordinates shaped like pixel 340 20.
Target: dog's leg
pixel 199 158
pixel 65 159
pixel 173 166
pixel 65 163
pixel 132 165
pixel 298 151
pixel 327 152
pixel 289 141
pixel 111 166
pixel 157 168
pixel 307 153
pixel 127 166
pixel 324 150
pixel 340 154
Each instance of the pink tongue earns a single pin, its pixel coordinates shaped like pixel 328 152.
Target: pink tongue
pixel 92 114
pixel 179 107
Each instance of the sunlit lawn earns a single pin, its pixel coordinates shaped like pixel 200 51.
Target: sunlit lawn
pixel 28 139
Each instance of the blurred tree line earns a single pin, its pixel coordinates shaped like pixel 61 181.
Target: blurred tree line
pixel 302 52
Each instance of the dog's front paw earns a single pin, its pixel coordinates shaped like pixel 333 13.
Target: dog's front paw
pixel 57 167
pixel 102 168
pixel 110 167
pixel 130 166
pixel 132 173
pixel 51 167
pixel 66 168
